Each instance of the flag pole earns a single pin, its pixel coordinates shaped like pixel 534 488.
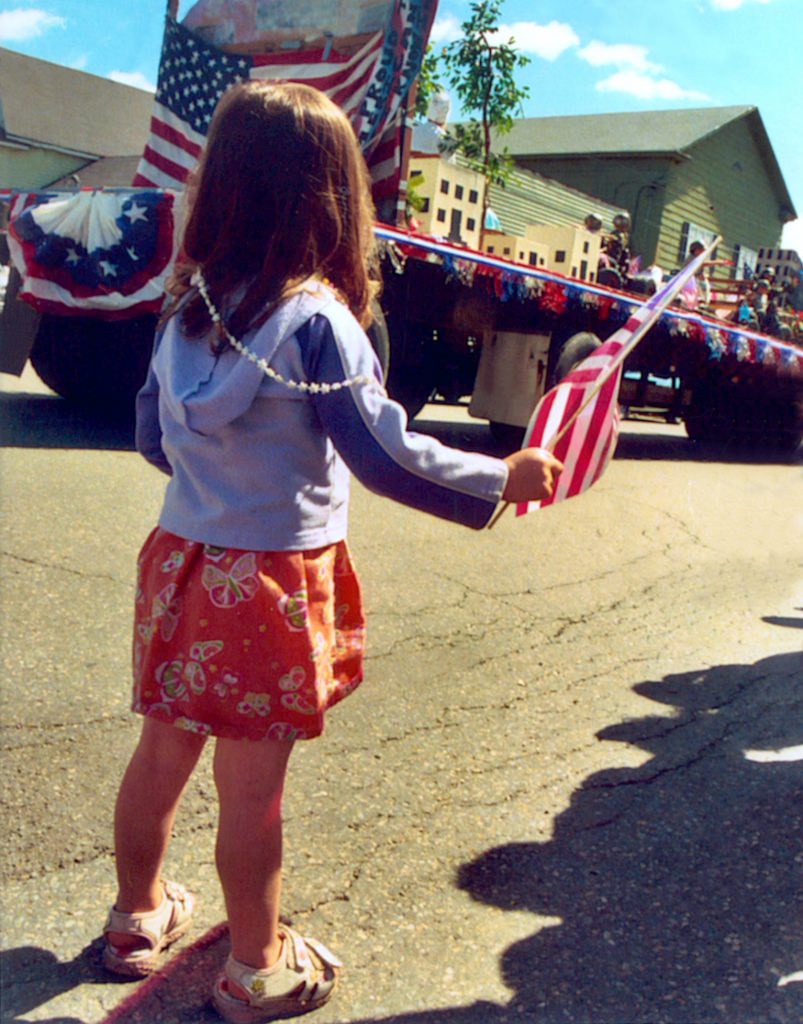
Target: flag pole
pixel 661 301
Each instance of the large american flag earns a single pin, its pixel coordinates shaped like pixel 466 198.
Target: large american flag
pixel 371 85
pixel 578 420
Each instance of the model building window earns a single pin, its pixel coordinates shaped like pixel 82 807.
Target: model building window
pixel 473 196
pixel 425 206
pixel 458 191
pixel 490 248
pixel 506 250
pixel 533 259
pixel 445 187
pixel 442 216
pixel 560 255
pixel 585 246
pixel 470 224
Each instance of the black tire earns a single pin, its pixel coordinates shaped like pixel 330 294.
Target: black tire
pixel 380 339
pixel 731 416
pixel 100 364
pixel 574 351
pixel 507 435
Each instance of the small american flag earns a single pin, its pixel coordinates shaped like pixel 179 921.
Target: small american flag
pixel 370 85
pixel 578 420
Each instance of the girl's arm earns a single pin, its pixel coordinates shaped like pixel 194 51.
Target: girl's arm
pixel 148 434
pixel 369 431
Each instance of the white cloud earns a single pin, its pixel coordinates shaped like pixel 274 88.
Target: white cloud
pixel 645 87
pixel 792 237
pixel 135 78
pixel 620 55
pixel 23 23
pixel 545 41
pixel 446 29
pixel 734 5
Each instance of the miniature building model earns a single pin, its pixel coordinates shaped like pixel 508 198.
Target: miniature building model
pixel 451 198
pixel 563 248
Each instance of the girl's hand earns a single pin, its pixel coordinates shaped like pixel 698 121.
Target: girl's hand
pixel 531 475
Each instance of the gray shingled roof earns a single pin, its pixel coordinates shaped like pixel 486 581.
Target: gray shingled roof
pixel 663 131
pixel 649 133
pixel 53 106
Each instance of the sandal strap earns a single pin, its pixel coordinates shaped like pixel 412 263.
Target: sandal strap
pixel 153 925
pixel 301 951
pixel 298 971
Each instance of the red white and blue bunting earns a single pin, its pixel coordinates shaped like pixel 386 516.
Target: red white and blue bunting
pixel 556 295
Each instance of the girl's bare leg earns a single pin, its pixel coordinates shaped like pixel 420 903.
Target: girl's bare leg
pixel 149 796
pixel 250 782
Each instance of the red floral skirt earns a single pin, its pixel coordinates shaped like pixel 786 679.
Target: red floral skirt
pixel 245 644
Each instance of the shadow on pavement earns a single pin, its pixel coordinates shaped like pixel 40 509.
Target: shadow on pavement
pixel 676 883
pixel 46 421
pixel 33 976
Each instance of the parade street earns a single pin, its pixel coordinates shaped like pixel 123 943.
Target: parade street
pixel 569 790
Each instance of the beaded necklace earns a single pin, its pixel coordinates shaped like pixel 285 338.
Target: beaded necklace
pixel 296 385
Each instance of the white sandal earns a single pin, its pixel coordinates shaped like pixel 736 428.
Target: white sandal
pixel 302 979
pixel 157 929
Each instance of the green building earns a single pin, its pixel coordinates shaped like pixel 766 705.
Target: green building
pixel 680 174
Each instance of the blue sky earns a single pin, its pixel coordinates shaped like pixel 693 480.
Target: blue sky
pixel 589 56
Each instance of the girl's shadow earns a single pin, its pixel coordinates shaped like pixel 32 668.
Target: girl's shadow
pixel 33 976
pixel 675 882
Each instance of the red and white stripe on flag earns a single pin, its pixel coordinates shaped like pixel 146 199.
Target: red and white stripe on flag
pixel 578 420
pixel 581 433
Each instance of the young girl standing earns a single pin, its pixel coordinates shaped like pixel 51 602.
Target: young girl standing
pixel 263 393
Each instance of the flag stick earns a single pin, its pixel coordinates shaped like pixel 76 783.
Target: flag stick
pixel 661 301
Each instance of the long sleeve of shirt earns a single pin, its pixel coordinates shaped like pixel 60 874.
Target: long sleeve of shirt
pixel 369 432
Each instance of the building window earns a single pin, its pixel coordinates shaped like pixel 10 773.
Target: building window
pixel 473 196
pixel 490 248
pixel 585 246
pixel 470 224
pixel 506 250
pixel 521 256
pixel 445 187
pixel 533 260
pixel 441 216
pixel 583 269
pixel 560 255
pixel 425 205
pixel 458 191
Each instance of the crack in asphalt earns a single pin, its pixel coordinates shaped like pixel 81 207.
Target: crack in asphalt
pixel 66 569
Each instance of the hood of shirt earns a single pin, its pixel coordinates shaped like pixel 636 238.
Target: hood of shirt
pixel 205 391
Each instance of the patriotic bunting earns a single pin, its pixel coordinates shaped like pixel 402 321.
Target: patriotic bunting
pixel 107 253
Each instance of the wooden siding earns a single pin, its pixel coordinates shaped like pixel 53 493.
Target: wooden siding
pixel 721 183
pixel 722 187
pixel 532 199
pixel 632 184
pixel 35 168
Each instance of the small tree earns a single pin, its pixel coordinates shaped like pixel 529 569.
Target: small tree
pixel 428 83
pixel 481 70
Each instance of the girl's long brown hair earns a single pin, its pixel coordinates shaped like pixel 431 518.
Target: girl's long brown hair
pixel 281 194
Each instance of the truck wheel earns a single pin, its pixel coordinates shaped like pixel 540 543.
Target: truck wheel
pixel 100 364
pixel 729 415
pixel 507 435
pixel 380 338
pixel 574 351
pixel 412 388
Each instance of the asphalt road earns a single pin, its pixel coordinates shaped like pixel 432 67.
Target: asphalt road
pixel 568 791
